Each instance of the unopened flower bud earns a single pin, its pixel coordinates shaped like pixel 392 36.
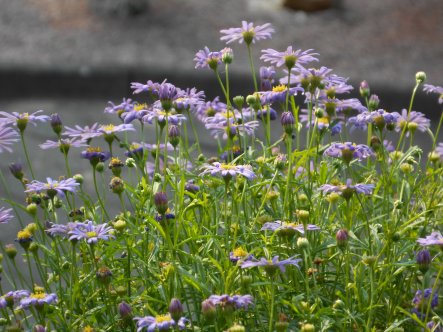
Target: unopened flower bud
pixel 39 328
pixel 174 135
pixel 282 324
pixel 375 143
pixel 303 215
pixel 11 251
pixel 31 228
pixel 307 328
pixel 119 225
pixel 252 100
pixel 16 170
pixel 433 157
pixel 239 101
pixel 319 113
pixel 364 89
pixel 373 103
pixel 130 162
pixel 227 55
pixel 412 127
pixel 116 165
pixel 342 237
pixel 420 77
pixel 100 167
pixel 303 243
pixel 406 168
pixel 161 202
pixel 423 259
pixel 175 309
pixel 236 328
pixel 124 310
pixel 287 121
pixel 31 209
pixel 78 178
pixel 56 123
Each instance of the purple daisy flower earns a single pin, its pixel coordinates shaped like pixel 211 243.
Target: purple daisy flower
pixel 90 232
pixel 136 113
pixel 290 58
pixel 125 106
pixel 379 118
pixel 415 120
pixel 22 119
pixel 228 171
pixel 312 78
pixel 148 87
pixel 61 230
pixel 135 150
pixel 221 128
pixel 5 215
pixel 8 136
pixel 421 302
pixel 234 301
pixel 431 240
pixel 85 133
pixel 13 297
pixel 347 151
pixel 206 59
pixel 428 88
pixel 271 265
pixel 288 228
pixel 190 99
pixel 159 323
pixel 209 109
pixel 53 187
pixel 38 299
pixel 247 33
pixel 348 189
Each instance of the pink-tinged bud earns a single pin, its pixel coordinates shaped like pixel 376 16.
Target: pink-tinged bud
pixel 373 103
pixel 342 237
pixel 364 89
pixel 287 121
pixel 423 259
pixel 161 202
pixel 176 309
pixel 124 310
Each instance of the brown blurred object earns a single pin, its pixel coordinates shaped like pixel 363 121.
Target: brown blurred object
pixel 308 5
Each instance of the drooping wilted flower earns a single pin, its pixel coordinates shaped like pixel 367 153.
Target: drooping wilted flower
pixel 412 121
pixel 248 33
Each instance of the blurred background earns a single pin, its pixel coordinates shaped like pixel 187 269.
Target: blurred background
pixel 73 56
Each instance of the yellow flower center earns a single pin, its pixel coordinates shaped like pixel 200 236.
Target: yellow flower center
pixel 289 224
pixel 240 252
pixel 24 235
pixel 162 318
pixel 38 295
pixel 139 107
pixel 91 234
pixel 279 88
pixel 227 167
pixel 134 146
pixel 323 120
pixel 88 329
pixel 94 149
pixel 109 127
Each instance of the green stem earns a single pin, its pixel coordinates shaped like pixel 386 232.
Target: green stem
pixel 251 63
pixel 26 154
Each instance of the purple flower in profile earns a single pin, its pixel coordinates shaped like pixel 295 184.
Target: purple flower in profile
pixel 288 228
pixel 5 215
pixel 271 266
pixel 64 144
pixel 8 136
pixel 348 151
pixel 235 301
pixel 150 86
pixel 278 94
pixel 312 78
pixel 135 150
pixel 13 297
pixel 95 155
pixel 290 58
pixel 85 133
pixel 53 187
pixel 206 59
pixel 379 118
pixel 111 129
pixel 209 109
pixel 347 190
pixel 415 120
pixel 247 33
pixel 125 106
pixel 228 171
pixel 220 128
pixel 22 119
pixel 190 99
pixel 159 323
pixel 435 239
pixel 38 299
pixel 428 88
pixel 160 116
pixel 90 232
